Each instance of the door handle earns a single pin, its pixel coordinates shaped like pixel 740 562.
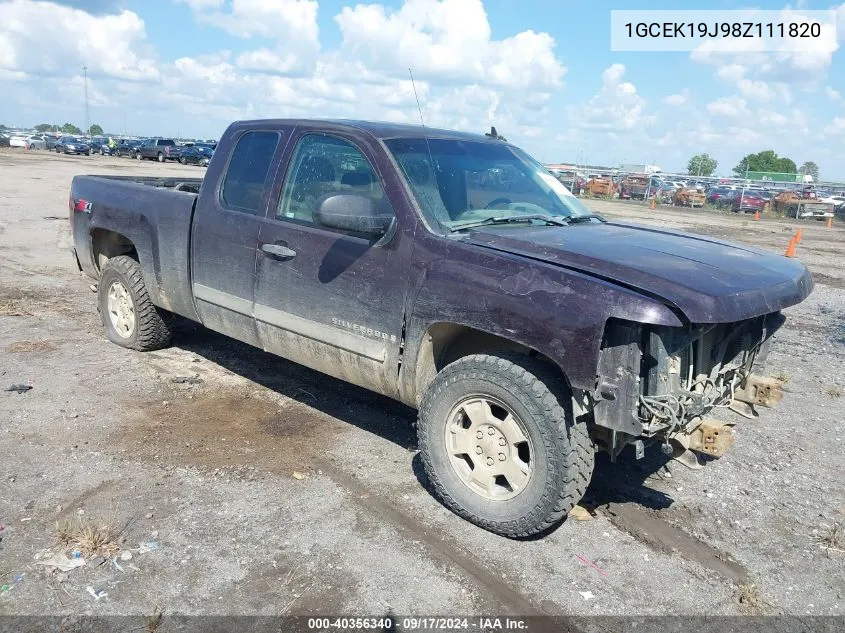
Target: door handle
pixel 278 251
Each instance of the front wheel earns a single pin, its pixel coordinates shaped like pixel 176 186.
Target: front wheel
pixel 139 156
pixel 129 315
pixel 183 160
pixel 160 157
pixel 500 446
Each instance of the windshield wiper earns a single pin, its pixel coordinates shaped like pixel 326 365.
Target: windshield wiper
pixel 574 219
pixel 511 219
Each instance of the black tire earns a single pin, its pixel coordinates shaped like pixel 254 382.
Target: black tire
pixel 183 160
pixel 160 157
pixel 102 152
pixel 152 325
pixel 139 156
pixel 563 453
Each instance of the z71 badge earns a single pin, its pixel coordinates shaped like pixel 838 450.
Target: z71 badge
pixel 363 329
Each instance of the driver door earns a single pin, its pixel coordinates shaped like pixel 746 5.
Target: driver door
pixel 330 299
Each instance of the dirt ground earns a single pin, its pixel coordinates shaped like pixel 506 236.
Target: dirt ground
pixel 265 488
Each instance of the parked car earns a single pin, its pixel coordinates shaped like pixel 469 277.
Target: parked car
pixel 634 187
pixel 160 149
pixel 748 200
pixel 50 141
pixel 665 193
pixel 98 143
pixel 35 141
pixel 72 145
pixel 4 141
pixel 191 154
pixel 838 202
pixel 573 181
pixel 369 262
pixel 721 196
pixel 127 147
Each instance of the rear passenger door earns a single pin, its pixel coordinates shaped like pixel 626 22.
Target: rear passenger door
pixel 330 299
pixel 225 234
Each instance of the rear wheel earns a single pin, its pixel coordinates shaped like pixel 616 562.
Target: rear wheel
pixel 138 156
pixel 183 160
pixel 129 315
pixel 499 444
pixel 160 157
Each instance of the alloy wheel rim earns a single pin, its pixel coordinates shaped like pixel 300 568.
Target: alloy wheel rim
pixel 488 448
pixel 121 309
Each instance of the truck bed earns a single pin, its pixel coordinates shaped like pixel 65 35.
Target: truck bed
pixel 152 213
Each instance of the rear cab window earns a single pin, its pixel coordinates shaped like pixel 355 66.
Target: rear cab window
pixel 246 175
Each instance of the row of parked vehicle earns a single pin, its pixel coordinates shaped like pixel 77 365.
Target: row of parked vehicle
pixel 160 149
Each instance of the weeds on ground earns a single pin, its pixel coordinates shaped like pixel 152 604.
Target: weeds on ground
pixel 833 391
pixel 833 538
pixel 781 376
pixel 90 537
pixel 153 621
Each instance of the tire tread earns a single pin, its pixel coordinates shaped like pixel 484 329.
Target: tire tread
pixel 152 323
pixel 568 444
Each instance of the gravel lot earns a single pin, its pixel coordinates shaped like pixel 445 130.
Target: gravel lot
pixel 268 488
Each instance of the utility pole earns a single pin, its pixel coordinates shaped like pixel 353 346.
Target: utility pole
pixel 87 122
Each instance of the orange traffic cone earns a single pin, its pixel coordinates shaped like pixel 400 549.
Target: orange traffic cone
pixel 653 203
pixel 829 223
pixel 790 250
pixel 756 216
pixel 798 236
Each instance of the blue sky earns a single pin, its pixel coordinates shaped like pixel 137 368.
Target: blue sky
pixel 542 72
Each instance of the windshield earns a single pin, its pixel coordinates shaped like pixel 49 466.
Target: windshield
pixel 455 182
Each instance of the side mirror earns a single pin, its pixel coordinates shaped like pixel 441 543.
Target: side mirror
pixel 352 212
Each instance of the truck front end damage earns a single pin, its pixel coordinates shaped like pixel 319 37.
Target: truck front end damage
pixel 663 384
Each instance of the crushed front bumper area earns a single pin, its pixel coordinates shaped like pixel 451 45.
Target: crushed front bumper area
pixel 661 385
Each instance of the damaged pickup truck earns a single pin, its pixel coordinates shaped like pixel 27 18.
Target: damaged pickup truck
pixel 454 273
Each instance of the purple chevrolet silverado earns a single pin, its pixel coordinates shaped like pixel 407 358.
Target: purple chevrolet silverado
pixel 454 273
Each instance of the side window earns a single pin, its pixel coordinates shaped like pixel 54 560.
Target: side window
pixel 243 185
pixel 323 165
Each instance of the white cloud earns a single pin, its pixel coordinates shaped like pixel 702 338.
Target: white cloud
pixel 837 126
pixel 447 40
pixel 111 45
pixel 832 93
pixel 738 57
pixel 292 21
pixel 764 91
pixel 729 107
pixel 678 99
pixel 616 107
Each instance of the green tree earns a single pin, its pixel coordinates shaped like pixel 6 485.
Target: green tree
pixel 767 160
pixel 95 130
pixel 44 127
pixel 809 167
pixel 3 127
pixel 702 165
pixel 70 128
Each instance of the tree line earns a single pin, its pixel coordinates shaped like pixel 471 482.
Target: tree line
pixel 67 128
pixel 705 165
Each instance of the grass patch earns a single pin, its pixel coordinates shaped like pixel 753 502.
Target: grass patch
pixel 91 538
pixel 833 538
pixel 833 391
pixel 153 621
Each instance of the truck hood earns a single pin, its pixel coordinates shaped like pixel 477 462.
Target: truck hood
pixel 709 280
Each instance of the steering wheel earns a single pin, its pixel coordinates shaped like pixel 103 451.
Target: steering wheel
pixel 493 203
